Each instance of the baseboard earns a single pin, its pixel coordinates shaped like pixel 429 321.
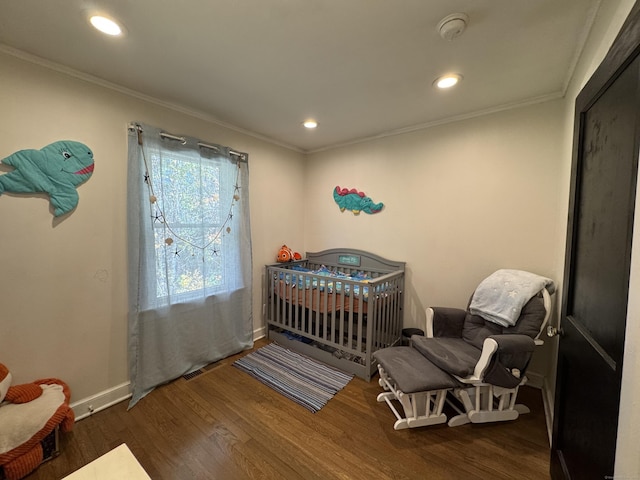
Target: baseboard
pixel 88 406
pixel 547 399
pixel 535 379
pixel 259 333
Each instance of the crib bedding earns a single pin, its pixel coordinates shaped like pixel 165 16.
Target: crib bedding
pixel 317 300
pixel 322 289
pixel 338 306
pixel 315 280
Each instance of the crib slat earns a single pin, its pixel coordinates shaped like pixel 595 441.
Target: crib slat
pixel 332 315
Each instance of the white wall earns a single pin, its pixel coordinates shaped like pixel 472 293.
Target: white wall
pixel 63 282
pixel 461 201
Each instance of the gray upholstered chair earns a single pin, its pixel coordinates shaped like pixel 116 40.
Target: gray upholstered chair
pixel 484 363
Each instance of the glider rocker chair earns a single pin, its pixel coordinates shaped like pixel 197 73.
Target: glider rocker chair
pixel 473 359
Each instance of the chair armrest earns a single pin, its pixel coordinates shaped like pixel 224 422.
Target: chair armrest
pixel 504 359
pixel 546 298
pixel 444 322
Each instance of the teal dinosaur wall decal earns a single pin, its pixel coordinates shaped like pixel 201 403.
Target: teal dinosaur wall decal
pixel 355 201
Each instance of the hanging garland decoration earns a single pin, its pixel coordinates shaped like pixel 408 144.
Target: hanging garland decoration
pixel 159 215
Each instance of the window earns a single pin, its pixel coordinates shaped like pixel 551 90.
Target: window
pixel 193 219
pixel 189 256
pixel 188 224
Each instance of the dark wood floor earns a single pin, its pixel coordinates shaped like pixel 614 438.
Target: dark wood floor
pixel 223 424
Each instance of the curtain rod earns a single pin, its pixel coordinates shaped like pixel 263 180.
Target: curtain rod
pixel 183 141
pixel 206 145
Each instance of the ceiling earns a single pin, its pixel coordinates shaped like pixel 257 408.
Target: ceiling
pixel 361 68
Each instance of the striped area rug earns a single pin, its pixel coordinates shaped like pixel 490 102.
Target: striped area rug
pixel 304 380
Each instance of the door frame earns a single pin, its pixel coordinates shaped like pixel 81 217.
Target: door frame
pixel 625 49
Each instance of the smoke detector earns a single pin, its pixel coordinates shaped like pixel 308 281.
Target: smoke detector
pixel 452 26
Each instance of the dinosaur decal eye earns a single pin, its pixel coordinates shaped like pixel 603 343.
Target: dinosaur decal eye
pixel 66 154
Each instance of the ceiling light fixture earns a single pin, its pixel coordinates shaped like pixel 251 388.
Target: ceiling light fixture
pixel 310 124
pixel 106 25
pixel 447 81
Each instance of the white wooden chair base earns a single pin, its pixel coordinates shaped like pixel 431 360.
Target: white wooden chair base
pixel 420 409
pixel 479 407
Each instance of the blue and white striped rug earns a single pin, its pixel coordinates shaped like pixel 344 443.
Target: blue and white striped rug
pixel 304 380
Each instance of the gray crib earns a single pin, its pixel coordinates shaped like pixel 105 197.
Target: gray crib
pixel 322 307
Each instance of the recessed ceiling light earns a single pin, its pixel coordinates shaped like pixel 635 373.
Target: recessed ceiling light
pixel 106 25
pixel 310 124
pixel 447 81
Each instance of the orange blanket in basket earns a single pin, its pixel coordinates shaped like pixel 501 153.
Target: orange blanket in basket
pixel 25 425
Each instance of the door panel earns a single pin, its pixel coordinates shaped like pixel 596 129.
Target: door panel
pixel 586 441
pixel 599 282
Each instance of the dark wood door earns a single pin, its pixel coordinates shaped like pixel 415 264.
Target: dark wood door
pixel 597 264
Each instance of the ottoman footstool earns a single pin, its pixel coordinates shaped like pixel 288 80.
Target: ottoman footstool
pixel 417 384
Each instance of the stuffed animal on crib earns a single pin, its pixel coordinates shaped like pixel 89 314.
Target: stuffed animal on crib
pixel 29 413
pixel 285 254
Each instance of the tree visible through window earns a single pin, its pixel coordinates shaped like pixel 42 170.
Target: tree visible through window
pixel 189 225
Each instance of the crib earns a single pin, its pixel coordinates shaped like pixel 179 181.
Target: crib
pixel 337 306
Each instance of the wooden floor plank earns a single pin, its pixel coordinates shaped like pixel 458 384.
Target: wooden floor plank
pixel 224 424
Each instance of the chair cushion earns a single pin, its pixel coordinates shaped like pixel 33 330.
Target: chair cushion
pixel 411 371
pixel 453 355
pixel 531 318
pixel 476 328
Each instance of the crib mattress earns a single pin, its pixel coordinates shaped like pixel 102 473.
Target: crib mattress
pixel 314 299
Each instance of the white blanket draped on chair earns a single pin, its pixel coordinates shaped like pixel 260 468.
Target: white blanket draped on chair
pixel 500 297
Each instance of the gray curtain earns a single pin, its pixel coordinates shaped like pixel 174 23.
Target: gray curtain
pixel 189 247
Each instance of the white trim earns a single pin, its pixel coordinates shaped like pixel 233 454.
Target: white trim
pixel 210 118
pixel 535 379
pixel 445 121
pixel 100 401
pixel 541 382
pixel 549 405
pixel 259 333
pixel 88 406
pixel 28 57
pixel 581 42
